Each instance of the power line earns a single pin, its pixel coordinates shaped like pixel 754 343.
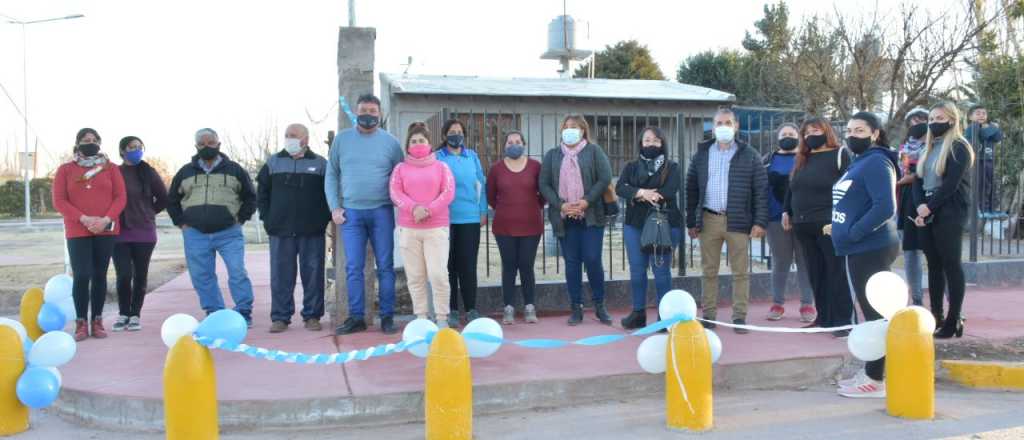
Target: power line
pixel 39 140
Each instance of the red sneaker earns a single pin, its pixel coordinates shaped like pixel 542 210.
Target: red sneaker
pixel 81 330
pixel 808 313
pixel 98 331
pixel 775 313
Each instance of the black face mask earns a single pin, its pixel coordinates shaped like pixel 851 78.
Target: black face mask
pixel 815 141
pixel 650 151
pixel 939 128
pixel 858 145
pixel 89 150
pixel 208 153
pixel 455 140
pixel 368 121
pixel 788 143
pixel 917 131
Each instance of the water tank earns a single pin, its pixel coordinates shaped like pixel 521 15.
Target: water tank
pixel 562 30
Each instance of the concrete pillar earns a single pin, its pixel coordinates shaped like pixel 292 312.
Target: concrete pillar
pixel 355 77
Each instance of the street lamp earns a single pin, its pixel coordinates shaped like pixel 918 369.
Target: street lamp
pixel 24 112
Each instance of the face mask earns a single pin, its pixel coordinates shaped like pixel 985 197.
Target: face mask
pixel 937 128
pixel 368 121
pixel 858 145
pixel 917 131
pixel 89 150
pixel 724 134
pixel 650 151
pixel 572 136
pixel 788 144
pixel 419 151
pixel 815 141
pixel 133 157
pixel 455 140
pixel 514 151
pixel 292 146
pixel 208 153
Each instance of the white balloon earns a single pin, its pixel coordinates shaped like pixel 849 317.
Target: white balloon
pixel 57 288
pixel 487 326
pixel 17 326
pixel 714 344
pixel 867 340
pixel 176 326
pixel 677 304
pixel 418 329
pixel 887 293
pixel 651 353
pixel 52 349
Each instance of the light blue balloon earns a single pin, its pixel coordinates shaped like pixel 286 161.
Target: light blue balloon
pixel 37 387
pixel 225 324
pixel 677 304
pixel 52 349
pixel 67 307
pixel 28 347
pixel 51 318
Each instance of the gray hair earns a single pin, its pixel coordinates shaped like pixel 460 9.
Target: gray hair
pixel 727 111
pixel 204 132
pixel 305 130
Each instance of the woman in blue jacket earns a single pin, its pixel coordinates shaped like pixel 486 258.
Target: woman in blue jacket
pixel 467 212
pixel 864 229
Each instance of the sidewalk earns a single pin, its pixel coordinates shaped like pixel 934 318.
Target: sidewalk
pixel 123 373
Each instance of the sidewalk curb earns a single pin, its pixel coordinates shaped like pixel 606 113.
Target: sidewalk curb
pixel 989 375
pixel 136 414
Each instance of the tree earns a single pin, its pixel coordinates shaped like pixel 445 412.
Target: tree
pixel 767 80
pixel 624 60
pixel 717 70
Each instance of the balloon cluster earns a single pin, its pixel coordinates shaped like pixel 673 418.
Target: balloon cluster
pixel 225 324
pixel 676 305
pixel 887 293
pixel 483 337
pixel 40 382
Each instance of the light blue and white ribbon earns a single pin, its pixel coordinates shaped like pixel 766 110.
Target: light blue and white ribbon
pixel 348 110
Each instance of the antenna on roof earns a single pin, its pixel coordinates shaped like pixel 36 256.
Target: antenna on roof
pixel 562 43
pixel 408 65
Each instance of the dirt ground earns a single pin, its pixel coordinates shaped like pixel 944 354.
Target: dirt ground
pixel 1006 350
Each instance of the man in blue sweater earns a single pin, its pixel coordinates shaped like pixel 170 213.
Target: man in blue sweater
pixel 361 161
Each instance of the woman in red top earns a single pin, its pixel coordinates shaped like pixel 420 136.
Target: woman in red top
pixel 89 192
pixel 514 193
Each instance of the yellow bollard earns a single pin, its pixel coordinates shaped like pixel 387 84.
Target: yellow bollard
pixel 448 394
pixel 13 415
pixel 688 362
pixel 910 365
pixel 190 392
pixel 31 302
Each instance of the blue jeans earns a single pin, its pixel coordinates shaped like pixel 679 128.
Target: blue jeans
pixel 581 247
pixel 639 261
pixel 201 256
pixel 378 227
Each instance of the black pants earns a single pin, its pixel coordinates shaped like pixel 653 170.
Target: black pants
pixel 942 246
pixel 517 257
pixel 309 252
pixel 827 274
pixel 860 268
pixel 90 259
pixel 465 246
pixel 989 199
pixel 131 262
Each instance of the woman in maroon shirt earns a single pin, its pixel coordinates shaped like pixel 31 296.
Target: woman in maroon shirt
pixel 514 193
pixel 89 193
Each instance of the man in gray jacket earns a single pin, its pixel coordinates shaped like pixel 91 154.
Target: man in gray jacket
pixel 726 203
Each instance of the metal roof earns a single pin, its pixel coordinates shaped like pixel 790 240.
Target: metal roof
pixel 553 87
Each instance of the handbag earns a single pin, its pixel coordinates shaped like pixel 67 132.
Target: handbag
pixel 656 236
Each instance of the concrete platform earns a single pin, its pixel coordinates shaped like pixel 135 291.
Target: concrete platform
pixel 117 382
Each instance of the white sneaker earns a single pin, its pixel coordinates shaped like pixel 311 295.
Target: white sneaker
pixel 845 383
pixel 530 314
pixel 134 324
pixel 119 324
pixel 509 317
pixel 867 388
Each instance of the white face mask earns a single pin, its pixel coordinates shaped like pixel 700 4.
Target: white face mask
pixel 292 146
pixel 724 134
pixel 572 136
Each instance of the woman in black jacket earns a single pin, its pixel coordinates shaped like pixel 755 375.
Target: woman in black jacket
pixel 649 184
pixel 941 193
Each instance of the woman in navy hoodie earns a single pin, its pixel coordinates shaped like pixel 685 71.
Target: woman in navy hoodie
pixel 863 228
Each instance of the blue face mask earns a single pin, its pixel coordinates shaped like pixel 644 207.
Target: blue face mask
pixel 514 151
pixel 133 157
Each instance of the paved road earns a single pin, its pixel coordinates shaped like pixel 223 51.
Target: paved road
pixel 763 415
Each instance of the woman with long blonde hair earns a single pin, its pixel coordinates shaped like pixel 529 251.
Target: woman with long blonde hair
pixel 941 194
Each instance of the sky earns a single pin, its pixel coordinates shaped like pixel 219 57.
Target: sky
pixel 161 70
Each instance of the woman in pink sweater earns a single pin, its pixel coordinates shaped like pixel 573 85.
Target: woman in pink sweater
pixel 422 188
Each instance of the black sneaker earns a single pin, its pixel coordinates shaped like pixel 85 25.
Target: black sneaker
pixel 740 331
pixel 387 325
pixel 351 325
pixel 636 319
pixel 602 314
pixel 576 317
pixel 708 325
pixel 841 334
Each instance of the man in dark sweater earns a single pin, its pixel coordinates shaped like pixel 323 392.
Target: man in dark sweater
pixel 985 136
pixel 726 202
pixel 293 208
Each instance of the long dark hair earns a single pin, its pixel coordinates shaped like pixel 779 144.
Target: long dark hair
pixel 82 133
pixel 447 126
pixel 875 124
pixel 142 169
pixel 803 152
